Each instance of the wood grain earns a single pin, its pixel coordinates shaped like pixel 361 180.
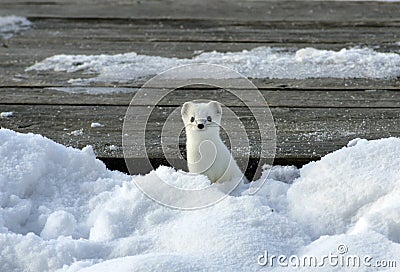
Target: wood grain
pixel 313 116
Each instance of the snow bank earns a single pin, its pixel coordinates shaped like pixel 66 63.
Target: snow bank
pixel 9 25
pixel 61 209
pixel 261 62
pixel 355 188
pixel 367 251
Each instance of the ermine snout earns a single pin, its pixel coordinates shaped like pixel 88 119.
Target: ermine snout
pixel 201 123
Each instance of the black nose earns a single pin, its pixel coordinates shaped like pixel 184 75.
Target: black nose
pixel 200 126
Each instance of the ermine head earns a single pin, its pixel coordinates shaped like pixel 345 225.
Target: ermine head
pixel 201 117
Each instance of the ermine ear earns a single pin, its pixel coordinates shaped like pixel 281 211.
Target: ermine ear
pixel 185 108
pixel 216 106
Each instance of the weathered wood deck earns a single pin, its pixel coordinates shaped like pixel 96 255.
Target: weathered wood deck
pixel 313 117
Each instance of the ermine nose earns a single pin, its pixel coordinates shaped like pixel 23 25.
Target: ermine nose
pixel 200 126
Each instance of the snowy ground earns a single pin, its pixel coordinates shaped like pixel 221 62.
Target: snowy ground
pixel 61 209
pixel 261 62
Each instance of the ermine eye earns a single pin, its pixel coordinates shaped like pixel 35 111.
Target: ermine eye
pixel 192 119
pixel 209 118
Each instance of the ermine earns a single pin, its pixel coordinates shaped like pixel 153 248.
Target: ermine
pixel 206 152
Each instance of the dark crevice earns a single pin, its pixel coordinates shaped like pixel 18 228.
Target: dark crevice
pixel 120 165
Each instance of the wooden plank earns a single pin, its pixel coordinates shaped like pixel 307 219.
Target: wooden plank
pixel 13 63
pixel 17 77
pixel 302 133
pixel 173 38
pixel 337 11
pixel 78 38
pixel 275 97
pixel 180 38
pixel 22 53
pixel 209 31
pixel 72 39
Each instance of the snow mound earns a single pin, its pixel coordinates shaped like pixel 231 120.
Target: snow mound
pixel 352 249
pixel 353 189
pixel 62 210
pixel 260 62
pixel 39 177
pixel 9 25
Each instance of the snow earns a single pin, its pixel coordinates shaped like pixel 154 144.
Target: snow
pixel 78 132
pixel 358 195
pixel 260 62
pixel 6 114
pixel 96 125
pixel 62 210
pixel 59 223
pixel 113 147
pixel 369 246
pixel 9 25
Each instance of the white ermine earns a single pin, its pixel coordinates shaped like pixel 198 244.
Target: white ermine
pixel 206 153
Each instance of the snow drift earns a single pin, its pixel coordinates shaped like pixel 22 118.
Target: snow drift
pixel 260 62
pixel 61 209
pixel 364 199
